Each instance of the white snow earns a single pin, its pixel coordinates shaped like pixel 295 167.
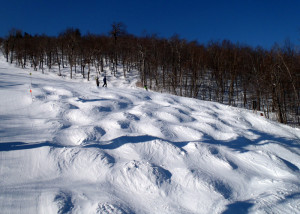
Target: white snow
pixel 76 148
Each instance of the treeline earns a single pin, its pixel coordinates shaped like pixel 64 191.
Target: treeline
pixel 233 74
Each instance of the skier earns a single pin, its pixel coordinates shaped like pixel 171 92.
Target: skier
pixel 145 87
pixel 104 82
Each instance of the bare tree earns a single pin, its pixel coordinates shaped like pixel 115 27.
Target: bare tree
pixel 118 30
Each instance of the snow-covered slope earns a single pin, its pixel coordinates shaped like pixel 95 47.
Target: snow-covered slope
pixel 76 148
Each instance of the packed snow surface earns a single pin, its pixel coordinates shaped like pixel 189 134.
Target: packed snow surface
pixel 70 147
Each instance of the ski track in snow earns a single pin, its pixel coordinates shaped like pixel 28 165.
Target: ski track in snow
pixel 76 148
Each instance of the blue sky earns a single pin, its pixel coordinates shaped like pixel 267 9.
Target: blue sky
pixel 252 22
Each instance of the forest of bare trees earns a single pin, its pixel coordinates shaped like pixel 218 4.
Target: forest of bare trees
pixel 233 74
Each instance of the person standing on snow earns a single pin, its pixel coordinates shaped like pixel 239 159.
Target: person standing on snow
pixel 104 82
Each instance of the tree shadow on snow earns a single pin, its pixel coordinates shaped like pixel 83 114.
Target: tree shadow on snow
pixel 120 141
pixel 239 144
pixel 238 207
pixel 90 100
pixel 11 146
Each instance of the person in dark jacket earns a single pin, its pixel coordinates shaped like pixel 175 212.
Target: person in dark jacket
pixel 104 82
